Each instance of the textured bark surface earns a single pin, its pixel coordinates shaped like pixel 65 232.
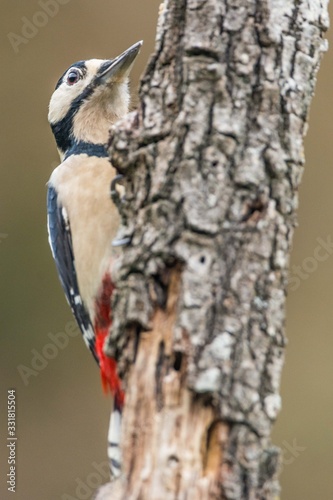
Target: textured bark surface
pixel 212 161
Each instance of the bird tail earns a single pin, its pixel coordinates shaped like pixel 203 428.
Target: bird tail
pixel 111 382
pixel 114 437
pixel 109 376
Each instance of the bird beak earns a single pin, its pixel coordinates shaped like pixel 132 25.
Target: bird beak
pixel 121 66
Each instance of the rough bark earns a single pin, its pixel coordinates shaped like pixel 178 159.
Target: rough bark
pixel 212 161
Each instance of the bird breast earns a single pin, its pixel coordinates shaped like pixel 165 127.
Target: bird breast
pixel 83 186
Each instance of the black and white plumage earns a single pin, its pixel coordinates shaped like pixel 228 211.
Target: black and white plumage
pixel 82 221
pixel 60 240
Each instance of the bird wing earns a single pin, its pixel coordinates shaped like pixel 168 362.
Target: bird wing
pixel 60 239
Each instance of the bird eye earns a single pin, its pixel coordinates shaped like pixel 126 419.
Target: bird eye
pixel 73 76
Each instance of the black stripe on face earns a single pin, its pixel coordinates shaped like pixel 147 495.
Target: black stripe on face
pixel 63 129
pixel 80 65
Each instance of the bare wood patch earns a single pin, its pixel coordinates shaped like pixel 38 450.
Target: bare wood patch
pixel 156 417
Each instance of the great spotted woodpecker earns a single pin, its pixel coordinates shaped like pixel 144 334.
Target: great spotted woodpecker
pixel 82 220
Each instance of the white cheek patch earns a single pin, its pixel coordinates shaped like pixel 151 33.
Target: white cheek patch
pixel 63 97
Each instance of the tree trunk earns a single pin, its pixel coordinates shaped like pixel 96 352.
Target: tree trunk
pixel 212 161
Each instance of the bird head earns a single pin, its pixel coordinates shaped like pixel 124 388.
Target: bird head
pixel 88 98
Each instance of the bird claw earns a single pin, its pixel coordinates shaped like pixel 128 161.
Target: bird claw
pixel 113 188
pixel 121 242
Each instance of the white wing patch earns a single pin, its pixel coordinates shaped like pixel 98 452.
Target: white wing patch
pixel 65 217
pixel 49 235
pixel 88 334
pixel 77 300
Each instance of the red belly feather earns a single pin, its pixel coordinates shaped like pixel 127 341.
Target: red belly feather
pixel 108 366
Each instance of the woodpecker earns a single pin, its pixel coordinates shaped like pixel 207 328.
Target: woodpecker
pixel 82 220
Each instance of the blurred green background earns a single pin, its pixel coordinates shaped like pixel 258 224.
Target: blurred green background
pixel 62 415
